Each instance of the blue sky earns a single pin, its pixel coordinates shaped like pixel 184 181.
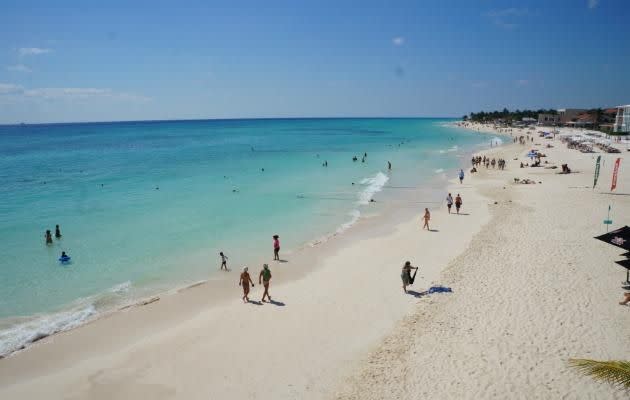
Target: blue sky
pixel 83 61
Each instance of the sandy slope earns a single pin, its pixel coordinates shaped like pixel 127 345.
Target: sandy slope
pixel 531 291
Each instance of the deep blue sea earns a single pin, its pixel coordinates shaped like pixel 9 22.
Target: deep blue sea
pixel 146 206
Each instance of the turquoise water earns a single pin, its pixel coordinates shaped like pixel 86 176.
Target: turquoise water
pixel 147 206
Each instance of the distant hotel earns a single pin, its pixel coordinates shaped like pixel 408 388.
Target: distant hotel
pixel 622 120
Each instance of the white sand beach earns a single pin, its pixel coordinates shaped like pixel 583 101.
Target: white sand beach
pixel 531 288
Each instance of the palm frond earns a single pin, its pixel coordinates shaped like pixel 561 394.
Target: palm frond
pixel 613 372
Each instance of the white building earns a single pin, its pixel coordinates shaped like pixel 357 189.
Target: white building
pixel 622 120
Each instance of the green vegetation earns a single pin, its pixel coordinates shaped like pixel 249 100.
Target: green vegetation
pixel 507 115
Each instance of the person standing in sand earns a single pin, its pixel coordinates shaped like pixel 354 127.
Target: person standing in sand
pixel 405 275
pixel 461 176
pixel 458 202
pixel 449 202
pixel 426 217
pixel 244 281
pixel 264 278
pixel 276 248
pixel 224 259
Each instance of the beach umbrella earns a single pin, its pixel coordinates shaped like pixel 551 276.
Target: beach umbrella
pixel 619 237
pixel 626 265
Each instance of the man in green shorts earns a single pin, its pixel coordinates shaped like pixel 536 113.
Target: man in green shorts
pixel 264 278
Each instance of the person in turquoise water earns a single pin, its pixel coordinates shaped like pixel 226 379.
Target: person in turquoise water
pixel 276 248
pixel 48 237
pixel 263 279
pixel 57 232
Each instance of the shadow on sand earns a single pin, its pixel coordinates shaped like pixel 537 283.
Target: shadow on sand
pixel 277 303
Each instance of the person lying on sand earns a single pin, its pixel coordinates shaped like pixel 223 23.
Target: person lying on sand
pixel 405 275
pixel 244 281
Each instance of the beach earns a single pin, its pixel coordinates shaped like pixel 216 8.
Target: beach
pixel 531 288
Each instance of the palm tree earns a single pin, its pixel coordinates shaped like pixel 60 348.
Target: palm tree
pixel 614 372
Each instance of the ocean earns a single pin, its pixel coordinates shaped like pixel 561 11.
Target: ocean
pixel 145 207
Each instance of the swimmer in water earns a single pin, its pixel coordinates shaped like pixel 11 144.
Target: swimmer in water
pixel 57 232
pixel 389 166
pixel 48 237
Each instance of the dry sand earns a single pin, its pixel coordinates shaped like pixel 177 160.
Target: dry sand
pixel 531 289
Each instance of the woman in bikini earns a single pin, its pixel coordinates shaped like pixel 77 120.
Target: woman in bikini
pixel 244 282
pixel 427 217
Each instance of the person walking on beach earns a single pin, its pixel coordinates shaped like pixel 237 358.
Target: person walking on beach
pixel 461 176
pixel 427 217
pixel 449 202
pixel 57 232
pixel 263 278
pixel 406 277
pixel 244 281
pixel 276 248
pixel 458 202
pixel 224 259
pixel 48 237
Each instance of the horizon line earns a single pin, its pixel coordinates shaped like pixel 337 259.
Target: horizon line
pixel 212 119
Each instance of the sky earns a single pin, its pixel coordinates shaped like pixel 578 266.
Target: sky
pixel 67 61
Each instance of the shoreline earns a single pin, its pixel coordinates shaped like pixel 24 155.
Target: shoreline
pixel 88 341
pixel 390 212
pixel 341 317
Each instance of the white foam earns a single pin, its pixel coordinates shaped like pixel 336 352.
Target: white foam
pixel 373 185
pixel 497 141
pixel 20 335
pixel 354 217
pixel 439 170
pixel 121 288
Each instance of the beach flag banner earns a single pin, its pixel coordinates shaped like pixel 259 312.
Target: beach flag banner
pixel 599 159
pixel 615 172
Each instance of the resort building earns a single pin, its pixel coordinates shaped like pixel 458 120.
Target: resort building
pixel 567 115
pixel 548 119
pixel 622 120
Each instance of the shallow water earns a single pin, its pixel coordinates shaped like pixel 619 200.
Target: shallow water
pixel 147 206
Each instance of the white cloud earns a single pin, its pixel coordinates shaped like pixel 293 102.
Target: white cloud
pixel 68 93
pixel 593 3
pixel 33 51
pixel 19 68
pixel 507 12
pixel 9 88
pixel 398 41
pixel 504 18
